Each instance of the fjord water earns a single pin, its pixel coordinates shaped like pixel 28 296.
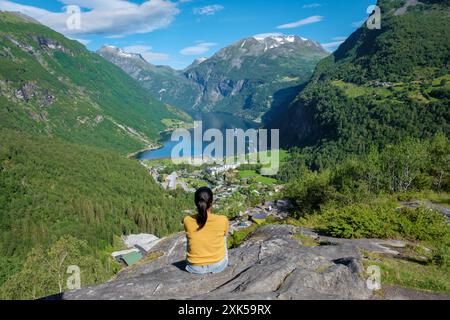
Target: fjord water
pixel 214 120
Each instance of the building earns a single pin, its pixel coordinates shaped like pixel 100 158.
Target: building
pixel 221 169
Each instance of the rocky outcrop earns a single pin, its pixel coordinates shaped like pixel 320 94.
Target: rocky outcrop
pixel 270 264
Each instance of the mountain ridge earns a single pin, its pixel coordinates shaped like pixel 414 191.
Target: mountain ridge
pixel 378 87
pixel 53 85
pixel 242 78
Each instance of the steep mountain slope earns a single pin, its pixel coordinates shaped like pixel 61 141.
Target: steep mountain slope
pixel 54 86
pixel 247 78
pixel 67 116
pixel 51 189
pixel 380 86
pixel 164 83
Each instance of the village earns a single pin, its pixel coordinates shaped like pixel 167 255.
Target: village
pixel 225 180
pixel 240 193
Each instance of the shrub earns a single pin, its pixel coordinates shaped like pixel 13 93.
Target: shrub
pixel 358 222
pixel 384 221
pixel 441 254
pixel 311 192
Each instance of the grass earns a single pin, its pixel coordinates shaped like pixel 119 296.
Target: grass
pixel 238 237
pixel 306 241
pixel 173 124
pixel 245 174
pixel 410 274
pixel 354 91
pixel 441 198
pixel 417 90
pixel 195 183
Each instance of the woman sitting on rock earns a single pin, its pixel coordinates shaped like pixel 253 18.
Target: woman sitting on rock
pixel 206 235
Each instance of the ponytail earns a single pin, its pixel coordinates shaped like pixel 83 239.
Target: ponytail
pixel 203 202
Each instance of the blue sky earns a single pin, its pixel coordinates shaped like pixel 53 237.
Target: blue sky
pixel 177 32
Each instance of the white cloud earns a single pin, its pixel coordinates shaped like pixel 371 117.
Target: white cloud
pixel 209 10
pixel 303 22
pixel 332 45
pixel 311 5
pixel 358 24
pixel 270 34
pixel 339 38
pixel 84 42
pixel 115 36
pixel 114 17
pixel 199 48
pixel 147 53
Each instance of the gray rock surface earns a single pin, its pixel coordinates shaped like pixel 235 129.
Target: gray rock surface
pixel 271 264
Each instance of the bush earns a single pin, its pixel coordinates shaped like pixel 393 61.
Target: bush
pixel 358 222
pixel 441 255
pixel 384 221
pixel 311 192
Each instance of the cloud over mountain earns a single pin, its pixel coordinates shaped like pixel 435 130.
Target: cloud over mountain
pixel 299 23
pixel 102 16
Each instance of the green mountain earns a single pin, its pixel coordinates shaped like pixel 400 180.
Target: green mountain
pixel 53 86
pixel 51 190
pixel 379 87
pixel 248 78
pixel 163 82
pixel 67 116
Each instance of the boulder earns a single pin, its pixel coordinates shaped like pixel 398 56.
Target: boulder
pixel 270 264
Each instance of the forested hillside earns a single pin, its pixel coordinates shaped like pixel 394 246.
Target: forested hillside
pixel 379 87
pixel 67 119
pixel 54 86
pixel 50 189
pixel 163 82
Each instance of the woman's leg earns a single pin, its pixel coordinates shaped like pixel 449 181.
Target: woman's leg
pixel 196 269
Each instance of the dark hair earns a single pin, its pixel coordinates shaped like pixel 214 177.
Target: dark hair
pixel 203 202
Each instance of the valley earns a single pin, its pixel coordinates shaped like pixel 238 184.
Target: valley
pixel 85 160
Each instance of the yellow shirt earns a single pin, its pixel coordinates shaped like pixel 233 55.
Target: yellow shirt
pixel 206 246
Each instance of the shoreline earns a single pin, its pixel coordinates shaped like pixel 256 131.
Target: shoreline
pixel 160 144
pixel 149 148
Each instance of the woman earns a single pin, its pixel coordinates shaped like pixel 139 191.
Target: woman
pixel 206 236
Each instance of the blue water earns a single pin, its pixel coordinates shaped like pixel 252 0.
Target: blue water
pixel 220 121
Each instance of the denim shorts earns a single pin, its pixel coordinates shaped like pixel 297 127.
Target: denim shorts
pixel 212 268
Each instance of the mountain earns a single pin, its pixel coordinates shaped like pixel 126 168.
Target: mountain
pixel 379 87
pixel 163 82
pixel 53 86
pixel 54 194
pixel 247 78
pixel 196 63
pixel 67 117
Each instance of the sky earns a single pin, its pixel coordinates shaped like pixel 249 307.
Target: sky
pixel 176 32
